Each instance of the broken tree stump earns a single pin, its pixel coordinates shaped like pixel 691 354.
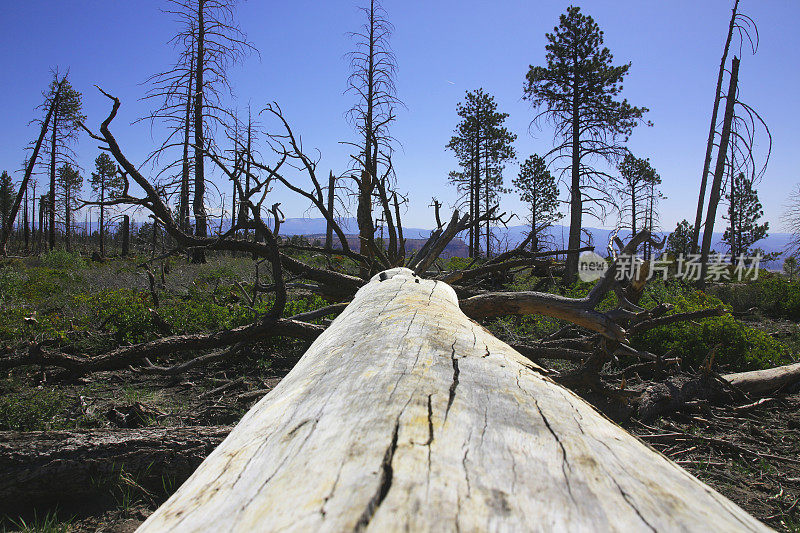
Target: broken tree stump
pixel 406 415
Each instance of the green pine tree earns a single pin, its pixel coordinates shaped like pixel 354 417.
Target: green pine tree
pixel 69 185
pixel 6 199
pixel 64 132
pixel 681 240
pixel 483 146
pixel 744 212
pixel 638 179
pixel 578 90
pixel 106 184
pixel 538 189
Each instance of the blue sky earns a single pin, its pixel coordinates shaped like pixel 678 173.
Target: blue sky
pixel 443 49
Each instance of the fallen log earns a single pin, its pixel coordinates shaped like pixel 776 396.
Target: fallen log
pixel 406 415
pixel 769 380
pixel 678 391
pixel 56 465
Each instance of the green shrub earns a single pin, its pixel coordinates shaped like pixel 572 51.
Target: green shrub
pixel 11 284
pixel 740 347
pixel 32 410
pixel 460 263
pixel 774 295
pixel 63 260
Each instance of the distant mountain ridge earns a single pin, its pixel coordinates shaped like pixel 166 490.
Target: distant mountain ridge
pixel 508 237
pixel 513 235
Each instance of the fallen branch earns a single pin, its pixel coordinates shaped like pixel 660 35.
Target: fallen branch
pixel 577 311
pixel 129 355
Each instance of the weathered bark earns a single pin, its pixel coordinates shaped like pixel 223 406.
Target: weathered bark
pixel 102 218
pixel 577 311
pixel 576 200
pixel 719 171
pixel 53 465
pixel 199 206
pixel 67 214
pixel 331 198
pixel 52 197
pixel 676 392
pixel 183 214
pixel 406 415
pixel 25 226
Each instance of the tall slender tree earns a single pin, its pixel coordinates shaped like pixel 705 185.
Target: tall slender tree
pixel 372 80
pixel 51 103
pixel 578 90
pixel 69 185
pixel 719 170
pixel 482 146
pixel 64 129
pixel 106 184
pixel 538 189
pixel 636 187
pixel 747 30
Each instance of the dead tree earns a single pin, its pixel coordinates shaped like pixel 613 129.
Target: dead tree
pixel 31 164
pixel 372 80
pixel 744 25
pixel 189 94
pixel 736 153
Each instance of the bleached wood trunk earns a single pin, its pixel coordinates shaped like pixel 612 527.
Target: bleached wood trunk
pixel 768 380
pixel 405 415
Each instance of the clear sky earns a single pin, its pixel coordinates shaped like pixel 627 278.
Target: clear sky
pixel 443 48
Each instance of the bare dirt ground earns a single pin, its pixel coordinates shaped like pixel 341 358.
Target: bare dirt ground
pixel 750 455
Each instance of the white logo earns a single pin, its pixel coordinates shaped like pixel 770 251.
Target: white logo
pixel 591 266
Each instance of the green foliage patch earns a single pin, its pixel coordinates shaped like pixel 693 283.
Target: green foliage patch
pixel 772 294
pixel 40 409
pixel 737 346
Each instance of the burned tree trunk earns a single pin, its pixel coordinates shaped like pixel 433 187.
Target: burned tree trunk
pixel 406 415
pixel 126 235
pixel 719 171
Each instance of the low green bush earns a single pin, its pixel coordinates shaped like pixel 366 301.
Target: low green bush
pixel 63 260
pixel 738 347
pixel 37 410
pixel 774 295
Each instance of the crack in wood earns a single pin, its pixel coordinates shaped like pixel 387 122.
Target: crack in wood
pixel 454 384
pixel 630 503
pixel 564 461
pixel 387 473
